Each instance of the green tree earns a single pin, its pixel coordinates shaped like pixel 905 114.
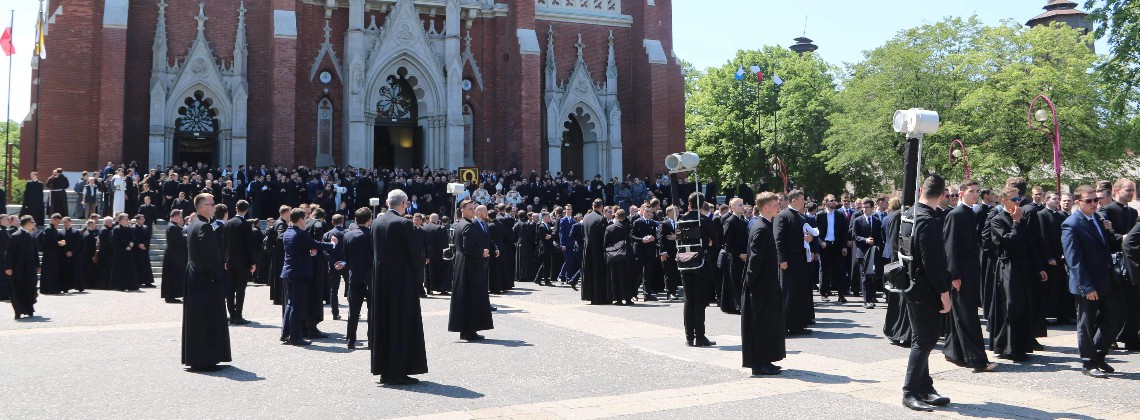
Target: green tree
pixel 732 124
pixel 1119 20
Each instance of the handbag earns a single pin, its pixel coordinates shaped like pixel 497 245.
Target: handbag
pixel 1120 269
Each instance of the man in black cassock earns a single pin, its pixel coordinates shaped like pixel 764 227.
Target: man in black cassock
pixel 735 236
pixel 525 231
pixel 205 335
pixel 594 284
pixel 619 258
pixel 71 262
pixel 275 246
pixel 174 259
pixel 762 304
pixel 88 258
pixel 5 237
pixel 470 302
pixel 106 254
pixel 123 273
pixel 436 238
pixel 965 345
pixel 52 245
pixel 396 335
pixel 1013 336
pixel 497 280
pixel 58 184
pixel 795 278
pixel 143 270
pixel 21 266
pixel 358 259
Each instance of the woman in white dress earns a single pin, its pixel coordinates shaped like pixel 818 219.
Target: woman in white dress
pixel 120 185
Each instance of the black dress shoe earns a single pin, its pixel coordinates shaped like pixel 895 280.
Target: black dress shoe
pixel 239 321
pixel 842 299
pixel 689 342
pixel 301 342
pixel 868 305
pixel 702 341
pixel 173 301
pixel 916 404
pixel 1106 368
pixel 205 368
pixel 988 367
pixel 935 399
pixel 399 380
pixel 351 344
pixel 650 298
pixel 765 371
pixel 336 317
pixel 444 294
pixel 493 309
pixel 17 316
pixel 574 286
pixel 470 336
pixel 1096 373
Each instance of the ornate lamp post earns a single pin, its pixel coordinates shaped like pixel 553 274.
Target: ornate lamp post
pixel 777 165
pixel 960 152
pixel 1042 116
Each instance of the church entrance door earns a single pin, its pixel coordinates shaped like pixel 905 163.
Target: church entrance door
pixel 196 131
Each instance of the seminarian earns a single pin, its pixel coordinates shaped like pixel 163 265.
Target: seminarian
pixel 397 345
pixel 205 336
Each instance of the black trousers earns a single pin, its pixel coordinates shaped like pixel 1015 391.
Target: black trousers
pixel 296 306
pixel 334 279
pixel 831 264
pixel 235 293
pixel 672 275
pixel 357 294
pixel 1098 323
pixel 545 266
pixel 696 284
pixel 1129 296
pixel 926 325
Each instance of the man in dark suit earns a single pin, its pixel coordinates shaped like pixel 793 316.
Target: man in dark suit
pixel 832 224
pixel 698 281
pixel 667 248
pixel 643 236
pixel 358 260
pixel 867 233
pixel 240 249
pixel 297 271
pixel 397 341
pixel 335 260
pixel 205 336
pixel 965 345
pixel 1088 246
pixel 1122 218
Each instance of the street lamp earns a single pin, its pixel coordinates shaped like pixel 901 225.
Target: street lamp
pixel 961 153
pixel 1042 116
pixel 778 167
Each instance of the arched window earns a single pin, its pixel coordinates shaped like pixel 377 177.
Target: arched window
pixel 324 127
pixel 197 115
pixel 397 102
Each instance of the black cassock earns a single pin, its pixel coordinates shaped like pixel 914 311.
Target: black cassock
pixel 896 326
pixel 622 287
pixel 964 344
pixel 498 282
pixel 796 281
pixel 762 302
pixel 23 262
pixel 736 242
pixel 396 333
pixel 507 248
pixel 276 250
pixel 52 260
pixel 319 287
pixel 470 302
pixel 594 283
pixel 438 271
pixel 124 275
pixel 5 283
pixel 142 256
pixel 1012 315
pixel 58 186
pixel 525 244
pixel 174 263
pixel 205 335
pixel 90 267
pixel 106 258
pixel 989 263
pixel 71 272
pixel 34 201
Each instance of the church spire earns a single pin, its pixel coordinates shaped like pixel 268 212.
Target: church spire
pixel 201 18
pixel 239 64
pixel 551 67
pixel 611 66
pixel 158 61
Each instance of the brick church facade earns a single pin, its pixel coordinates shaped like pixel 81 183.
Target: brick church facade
pixel 589 86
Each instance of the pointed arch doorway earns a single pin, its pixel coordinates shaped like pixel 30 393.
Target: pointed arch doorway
pixel 399 139
pixel 196 131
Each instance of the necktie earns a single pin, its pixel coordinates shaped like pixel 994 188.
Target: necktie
pixel 1096 227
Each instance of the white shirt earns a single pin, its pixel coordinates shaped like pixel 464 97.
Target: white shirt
pixel 830 227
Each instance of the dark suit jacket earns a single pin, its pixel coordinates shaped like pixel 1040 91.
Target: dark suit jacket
pixel 863 228
pixel 963 245
pixel 788 227
pixel 735 236
pixel 1087 255
pixel 665 246
pixel 239 246
pixel 298 262
pixel 358 255
pixel 840 227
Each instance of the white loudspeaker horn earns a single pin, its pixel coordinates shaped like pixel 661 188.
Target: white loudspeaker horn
pixel 682 162
pixel 915 121
pixel 454 188
pixel 373 202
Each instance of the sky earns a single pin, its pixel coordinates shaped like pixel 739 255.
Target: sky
pixel 705 32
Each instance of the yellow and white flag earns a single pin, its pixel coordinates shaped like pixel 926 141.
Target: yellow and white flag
pixel 40 51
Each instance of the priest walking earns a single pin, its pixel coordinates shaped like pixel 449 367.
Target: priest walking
pixel 205 336
pixel 762 303
pixel 397 334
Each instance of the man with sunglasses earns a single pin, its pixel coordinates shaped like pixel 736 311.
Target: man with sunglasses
pixel 1087 245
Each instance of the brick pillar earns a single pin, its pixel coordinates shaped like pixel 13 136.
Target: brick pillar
pixel 658 121
pixel 113 60
pixel 283 100
pixel 529 140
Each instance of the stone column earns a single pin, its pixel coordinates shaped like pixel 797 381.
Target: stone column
pixel 454 87
pixel 358 150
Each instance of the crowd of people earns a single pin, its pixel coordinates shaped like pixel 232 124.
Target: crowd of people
pixel 1017 258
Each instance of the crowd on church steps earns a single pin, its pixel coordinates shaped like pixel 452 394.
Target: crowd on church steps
pixel 1021 258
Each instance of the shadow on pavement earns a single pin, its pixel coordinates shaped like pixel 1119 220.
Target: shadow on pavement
pixel 823 378
pixel 34 318
pixel 428 387
pixel 232 373
pixel 504 343
pixel 1005 411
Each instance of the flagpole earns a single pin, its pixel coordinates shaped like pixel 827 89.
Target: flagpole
pixel 7 122
pixel 38 82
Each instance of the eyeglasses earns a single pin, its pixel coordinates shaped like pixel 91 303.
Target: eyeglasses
pixel 1090 200
pixel 952 195
pixel 1015 199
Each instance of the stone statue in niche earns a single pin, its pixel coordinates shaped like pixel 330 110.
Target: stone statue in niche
pixel 357 72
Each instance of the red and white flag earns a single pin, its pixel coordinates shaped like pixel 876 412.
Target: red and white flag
pixel 6 42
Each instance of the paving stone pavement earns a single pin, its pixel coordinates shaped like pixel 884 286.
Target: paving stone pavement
pixel 115 355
